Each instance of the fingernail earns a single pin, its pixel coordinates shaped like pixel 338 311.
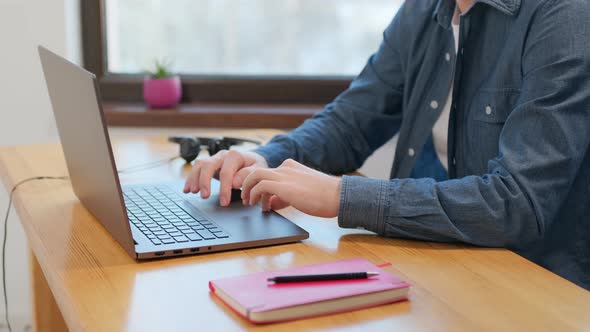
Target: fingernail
pixel 223 201
pixel 244 202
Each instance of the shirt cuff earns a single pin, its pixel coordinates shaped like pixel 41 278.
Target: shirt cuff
pixel 362 203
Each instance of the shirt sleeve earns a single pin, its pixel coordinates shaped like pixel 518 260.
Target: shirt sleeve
pixel 339 138
pixel 542 146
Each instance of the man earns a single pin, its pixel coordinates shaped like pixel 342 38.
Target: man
pixel 494 132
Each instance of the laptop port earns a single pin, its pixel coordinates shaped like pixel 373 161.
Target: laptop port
pixel 176 252
pixel 160 253
pixel 209 248
pixel 194 249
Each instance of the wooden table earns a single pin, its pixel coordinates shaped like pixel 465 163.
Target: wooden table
pixel 80 271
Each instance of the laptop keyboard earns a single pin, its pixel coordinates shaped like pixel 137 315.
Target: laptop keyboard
pixel 158 213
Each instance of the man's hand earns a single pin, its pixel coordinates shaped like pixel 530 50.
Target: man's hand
pixel 307 190
pixel 233 167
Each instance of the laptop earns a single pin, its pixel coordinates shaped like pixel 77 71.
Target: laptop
pixel 148 220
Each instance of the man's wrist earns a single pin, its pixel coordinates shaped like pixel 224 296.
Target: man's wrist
pixel 260 160
pixel 273 154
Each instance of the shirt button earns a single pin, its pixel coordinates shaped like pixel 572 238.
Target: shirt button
pixel 434 104
pixel 488 110
pixel 411 152
pixel 448 57
pixel 454 162
pixel 462 51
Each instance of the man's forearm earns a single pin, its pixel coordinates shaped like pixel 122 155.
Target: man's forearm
pixel 486 212
pixel 327 142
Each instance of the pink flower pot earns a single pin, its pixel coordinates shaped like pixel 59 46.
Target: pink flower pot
pixel 162 92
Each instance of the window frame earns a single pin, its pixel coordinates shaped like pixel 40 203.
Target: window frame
pixel 200 88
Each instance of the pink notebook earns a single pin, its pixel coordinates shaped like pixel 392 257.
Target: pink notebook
pixel 259 301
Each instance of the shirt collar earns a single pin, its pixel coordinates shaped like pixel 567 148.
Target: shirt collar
pixel 443 13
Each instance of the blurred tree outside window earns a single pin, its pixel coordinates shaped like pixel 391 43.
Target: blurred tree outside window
pixel 302 38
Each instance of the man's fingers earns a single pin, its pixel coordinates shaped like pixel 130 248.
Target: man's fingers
pixel 192 183
pixel 255 177
pixel 276 203
pixel 265 201
pixel 208 169
pixel 272 202
pixel 241 175
pixel 264 187
pixel 232 162
pixel 187 184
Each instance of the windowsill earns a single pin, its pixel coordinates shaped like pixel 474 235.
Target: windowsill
pixel 209 115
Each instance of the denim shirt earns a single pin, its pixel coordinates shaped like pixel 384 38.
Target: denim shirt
pixel 519 130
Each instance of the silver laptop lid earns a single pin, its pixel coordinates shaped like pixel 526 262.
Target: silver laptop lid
pixel 85 141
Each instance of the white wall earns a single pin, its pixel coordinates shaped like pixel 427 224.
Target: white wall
pixel 25 113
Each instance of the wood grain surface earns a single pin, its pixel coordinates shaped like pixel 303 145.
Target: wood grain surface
pixel 98 287
pixel 210 115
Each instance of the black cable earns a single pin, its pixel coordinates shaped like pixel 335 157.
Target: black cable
pixel 136 168
pixel 5 236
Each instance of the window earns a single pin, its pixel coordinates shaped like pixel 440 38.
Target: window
pixel 262 50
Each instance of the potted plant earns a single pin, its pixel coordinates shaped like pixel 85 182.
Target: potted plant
pixel 162 88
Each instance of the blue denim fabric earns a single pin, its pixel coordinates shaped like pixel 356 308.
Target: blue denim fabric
pixel 428 165
pixel 519 130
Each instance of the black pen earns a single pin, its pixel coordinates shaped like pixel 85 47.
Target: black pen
pixel 323 277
